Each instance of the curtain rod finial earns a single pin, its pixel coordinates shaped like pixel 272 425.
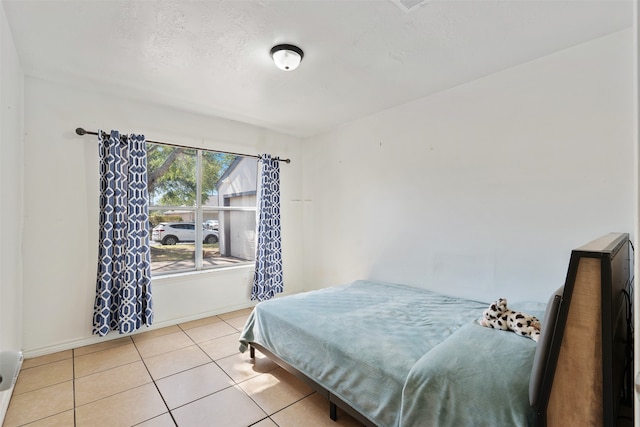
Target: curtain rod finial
pixel 80 131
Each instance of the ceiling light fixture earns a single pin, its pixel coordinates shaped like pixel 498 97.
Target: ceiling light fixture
pixel 287 57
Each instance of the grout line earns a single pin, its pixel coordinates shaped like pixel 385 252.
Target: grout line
pixel 234 383
pixel 214 361
pixel 179 325
pixel 204 397
pixel 106 369
pixel 27 368
pixel 75 405
pixel 98 343
pixel 155 385
pixel 157 416
pixel 257 404
pixel 259 421
pixel 73 374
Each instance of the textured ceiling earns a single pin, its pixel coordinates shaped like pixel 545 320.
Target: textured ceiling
pixel 361 56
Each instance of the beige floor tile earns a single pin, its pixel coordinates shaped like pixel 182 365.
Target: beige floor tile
pixel 210 331
pixel 241 367
pixel 105 359
pixel 163 420
pixel 237 322
pixel 163 344
pixel 229 407
pixel 42 376
pixel 105 345
pixel 154 333
pixel 123 409
pixel 236 313
pixel 222 347
pixel 275 390
pixel 176 361
pixel 187 386
pixel 49 358
pixel 64 419
pixel 312 411
pixel 113 381
pixel 200 322
pixel 38 404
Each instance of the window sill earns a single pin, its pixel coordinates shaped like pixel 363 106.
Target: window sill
pixel 171 276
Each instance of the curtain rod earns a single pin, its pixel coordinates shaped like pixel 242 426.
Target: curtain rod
pixel 81 131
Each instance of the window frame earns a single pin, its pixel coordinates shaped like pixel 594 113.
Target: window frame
pixel 198 215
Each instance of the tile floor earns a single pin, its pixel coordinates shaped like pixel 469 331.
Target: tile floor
pixel 188 375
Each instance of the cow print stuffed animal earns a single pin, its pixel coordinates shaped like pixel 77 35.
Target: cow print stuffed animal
pixel 498 316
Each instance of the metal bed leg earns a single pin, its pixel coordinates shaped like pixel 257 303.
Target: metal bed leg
pixel 333 411
pixel 252 351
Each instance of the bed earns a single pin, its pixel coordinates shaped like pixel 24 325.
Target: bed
pixel 395 355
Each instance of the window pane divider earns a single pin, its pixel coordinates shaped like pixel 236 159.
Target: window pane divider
pixel 230 208
pixel 199 220
pixel 206 208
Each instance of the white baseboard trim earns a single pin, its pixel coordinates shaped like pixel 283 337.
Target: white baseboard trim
pixel 81 342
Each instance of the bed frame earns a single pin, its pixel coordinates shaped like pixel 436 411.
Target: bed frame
pixel 585 351
pixel 578 369
pixel 334 401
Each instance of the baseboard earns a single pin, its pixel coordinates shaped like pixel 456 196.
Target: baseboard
pixel 81 342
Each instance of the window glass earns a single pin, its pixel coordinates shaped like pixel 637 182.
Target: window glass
pixel 223 200
pixel 171 175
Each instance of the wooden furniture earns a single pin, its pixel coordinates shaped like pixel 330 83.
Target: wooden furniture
pixel 580 377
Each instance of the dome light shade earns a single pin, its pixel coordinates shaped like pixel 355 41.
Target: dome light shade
pixel 287 57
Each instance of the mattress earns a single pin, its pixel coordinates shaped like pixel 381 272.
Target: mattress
pixel 372 345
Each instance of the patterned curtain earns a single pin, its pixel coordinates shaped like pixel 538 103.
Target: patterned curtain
pixel 123 288
pixel 267 279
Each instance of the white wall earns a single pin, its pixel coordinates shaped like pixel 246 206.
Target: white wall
pixel 61 211
pixel 481 190
pixel 11 167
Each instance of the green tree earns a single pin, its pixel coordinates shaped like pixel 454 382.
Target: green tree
pixel 171 174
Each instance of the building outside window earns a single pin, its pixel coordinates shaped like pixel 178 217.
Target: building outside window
pixel 202 209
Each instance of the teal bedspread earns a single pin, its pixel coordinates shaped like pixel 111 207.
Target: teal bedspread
pixel 476 377
pixel 399 355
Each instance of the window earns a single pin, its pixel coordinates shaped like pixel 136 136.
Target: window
pixel 202 208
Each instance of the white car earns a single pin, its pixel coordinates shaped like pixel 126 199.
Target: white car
pixel 170 233
pixel 211 224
